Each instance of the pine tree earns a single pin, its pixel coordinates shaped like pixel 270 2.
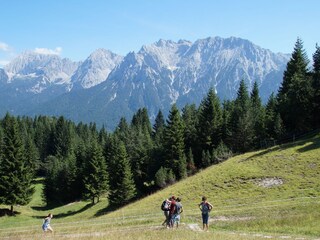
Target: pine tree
pixel 61 139
pixel 123 131
pixel 295 93
pixel 60 185
pixel 16 173
pixel 316 88
pixel 174 144
pixel 241 121
pixel 210 122
pixel 139 149
pixel 42 127
pixel 258 115
pixel 122 187
pixel 141 120
pixel 157 155
pixel 32 155
pixel 95 173
pixel 158 129
pixel 190 120
pixel 273 121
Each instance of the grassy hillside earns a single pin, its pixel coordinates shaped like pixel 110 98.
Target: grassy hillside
pixel 273 192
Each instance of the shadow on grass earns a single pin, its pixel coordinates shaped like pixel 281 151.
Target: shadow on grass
pixel 66 214
pixel 7 212
pixel 107 210
pixel 314 144
pixel 47 207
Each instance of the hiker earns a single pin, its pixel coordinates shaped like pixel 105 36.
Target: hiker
pixel 178 211
pixel 172 211
pixel 205 208
pixel 165 207
pixel 46 223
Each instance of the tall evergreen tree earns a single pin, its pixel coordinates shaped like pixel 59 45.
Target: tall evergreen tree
pixel 158 128
pixel 32 155
pixel 241 121
pixel 174 144
pixel 141 120
pixel 190 119
pixel 139 149
pixel 61 139
pixel 42 127
pixel 95 173
pixel 16 173
pixel 273 121
pixel 295 93
pixel 316 87
pixel 157 155
pixel 60 184
pixel 258 115
pixel 210 122
pixel 123 131
pixel 122 187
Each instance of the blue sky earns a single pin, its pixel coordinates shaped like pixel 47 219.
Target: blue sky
pixel 75 28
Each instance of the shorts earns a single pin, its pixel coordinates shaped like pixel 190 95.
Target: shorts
pixel 205 218
pixel 177 218
pixel 44 227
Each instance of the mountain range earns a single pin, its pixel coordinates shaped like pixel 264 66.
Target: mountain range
pixel 107 86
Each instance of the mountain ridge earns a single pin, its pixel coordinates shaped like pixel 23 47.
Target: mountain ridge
pixel 158 75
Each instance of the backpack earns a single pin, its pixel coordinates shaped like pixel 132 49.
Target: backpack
pixel 205 208
pixel 165 206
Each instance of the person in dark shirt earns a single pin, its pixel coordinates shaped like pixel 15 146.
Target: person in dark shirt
pixel 205 208
pixel 172 211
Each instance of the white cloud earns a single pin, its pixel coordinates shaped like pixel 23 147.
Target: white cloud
pixel 4 46
pixel 55 51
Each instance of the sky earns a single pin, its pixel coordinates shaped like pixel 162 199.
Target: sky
pixel 76 28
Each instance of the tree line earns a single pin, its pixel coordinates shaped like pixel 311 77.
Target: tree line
pixel 80 161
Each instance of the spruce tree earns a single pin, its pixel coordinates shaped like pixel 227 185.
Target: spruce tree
pixel 190 119
pixel 123 131
pixel 258 115
pixel 273 121
pixel 158 129
pixel 61 138
pixel 139 149
pixel 241 121
pixel 210 122
pixel 122 187
pixel 295 94
pixel 16 173
pixel 316 88
pixel 95 174
pixel 174 144
pixel 157 155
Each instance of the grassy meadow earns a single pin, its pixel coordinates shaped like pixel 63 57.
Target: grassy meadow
pixel 272 193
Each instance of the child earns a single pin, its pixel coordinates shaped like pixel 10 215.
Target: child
pixel 205 208
pixel 46 223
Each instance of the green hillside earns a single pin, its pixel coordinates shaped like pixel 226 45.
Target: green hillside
pixel 273 192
